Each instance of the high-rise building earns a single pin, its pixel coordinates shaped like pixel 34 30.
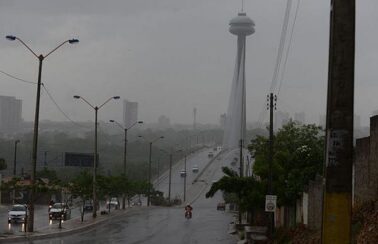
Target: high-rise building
pixel 130 113
pixel 10 114
pixel 235 128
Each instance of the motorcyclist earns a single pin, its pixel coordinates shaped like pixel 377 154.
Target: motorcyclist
pixel 188 210
pixel 51 203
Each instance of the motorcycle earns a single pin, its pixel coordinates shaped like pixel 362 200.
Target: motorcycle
pixel 188 214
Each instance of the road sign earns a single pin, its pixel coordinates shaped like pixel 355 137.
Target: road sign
pixel 79 159
pixel 270 203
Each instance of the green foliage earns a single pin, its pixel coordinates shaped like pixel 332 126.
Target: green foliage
pixel 112 185
pixel 248 191
pixel 51 175
pixel 81 186
pixel 298 157
pixel 19 185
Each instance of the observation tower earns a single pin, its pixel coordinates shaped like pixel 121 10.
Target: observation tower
pixel 235 126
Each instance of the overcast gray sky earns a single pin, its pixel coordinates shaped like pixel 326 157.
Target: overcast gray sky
pixel 173 55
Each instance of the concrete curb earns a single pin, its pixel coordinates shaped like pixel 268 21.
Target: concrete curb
pixel 61 232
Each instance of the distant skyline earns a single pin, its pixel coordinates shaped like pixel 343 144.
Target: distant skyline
pixel 171 56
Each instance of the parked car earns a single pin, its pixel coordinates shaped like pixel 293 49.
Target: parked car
pixel 136 203
pixel 88 206
pixel 221 206
pixel 60 210
pixel 210 155
pixel 195 169
pixel 17 213
pixel 113 203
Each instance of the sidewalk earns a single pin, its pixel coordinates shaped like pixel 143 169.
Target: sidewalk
pixel 70 226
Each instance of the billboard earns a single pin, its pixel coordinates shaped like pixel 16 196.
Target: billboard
pixel 79 159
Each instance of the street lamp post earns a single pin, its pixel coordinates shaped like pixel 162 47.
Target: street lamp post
pixel 170 172
pixel 125 153
pixel 15 158
pixel 149 167
pixel 185 177
pixel 14 167
pixel 40 58
pixel 95 163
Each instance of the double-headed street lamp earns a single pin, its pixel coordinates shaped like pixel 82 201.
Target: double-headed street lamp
pixel 149 167
pixel 40 57
pixel 124 152
pixel 95 163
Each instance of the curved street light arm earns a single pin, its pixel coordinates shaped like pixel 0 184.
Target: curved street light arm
pixel 23 43
pixel 136 122
pixel 118 124
pixel 56 48
pixel 105 102
pixel 160 137
pixel 85 100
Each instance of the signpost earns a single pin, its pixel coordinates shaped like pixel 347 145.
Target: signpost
pixel 270 203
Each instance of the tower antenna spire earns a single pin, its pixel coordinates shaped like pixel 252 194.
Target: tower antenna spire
pixel 242 6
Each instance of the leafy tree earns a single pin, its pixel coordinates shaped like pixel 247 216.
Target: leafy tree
pixel 249 192
pixel 51 175
pixel 298 157
pixel 81 186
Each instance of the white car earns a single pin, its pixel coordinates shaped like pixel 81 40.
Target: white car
pixel 17 213
pixel 113 203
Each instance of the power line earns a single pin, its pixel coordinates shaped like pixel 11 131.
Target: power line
pixel 47 92
pixel 16 78
pixel 280 54
pixel 58 107
pixel 288 47
pixel 281 45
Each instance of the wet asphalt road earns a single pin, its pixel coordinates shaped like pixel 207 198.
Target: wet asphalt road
pixel 167 225
pixel 41 219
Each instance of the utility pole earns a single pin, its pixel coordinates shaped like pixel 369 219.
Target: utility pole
pixel 271 106
pixel 185 177
pixel 170 178
pixel 337 202
pixel 149 175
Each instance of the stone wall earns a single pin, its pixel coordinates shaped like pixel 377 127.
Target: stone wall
pixel 366 165
pixel 315 202
pixel 361 170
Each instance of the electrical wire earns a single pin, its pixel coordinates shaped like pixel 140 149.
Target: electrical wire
pixel 280 54
pixel 288 47
pixel 281 46
pixel 48 94
pixel 58 107
pixel 16 78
